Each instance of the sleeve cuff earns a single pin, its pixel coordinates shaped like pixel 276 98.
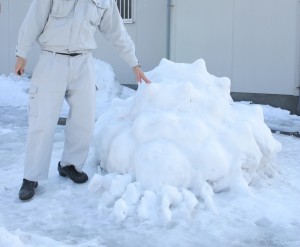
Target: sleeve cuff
pixel 132 62
pixel 21 53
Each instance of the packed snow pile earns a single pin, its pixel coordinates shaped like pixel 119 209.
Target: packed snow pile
pixel 106 82
pixel 176 142
pixel 108 87
pixel 279 119
pixel 8 239
pixel 14 90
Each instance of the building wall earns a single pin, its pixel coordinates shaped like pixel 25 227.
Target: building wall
pixel 4 37
pixel 150 44
pixel 254 43
pixel 203 29
pixel 150 37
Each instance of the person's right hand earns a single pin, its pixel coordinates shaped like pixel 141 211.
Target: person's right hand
pixel 20 65
pixel 139 75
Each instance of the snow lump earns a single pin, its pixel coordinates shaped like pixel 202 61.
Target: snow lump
pixel 175 143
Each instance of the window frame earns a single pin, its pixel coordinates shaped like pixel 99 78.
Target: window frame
pixel 129 17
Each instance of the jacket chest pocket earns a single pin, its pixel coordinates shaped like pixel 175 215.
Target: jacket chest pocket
pixel 96 10
pixel 63 8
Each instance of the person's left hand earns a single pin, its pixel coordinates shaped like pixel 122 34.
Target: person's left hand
pixel 139 75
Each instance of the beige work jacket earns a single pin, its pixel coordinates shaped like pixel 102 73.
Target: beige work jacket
pixel 69 26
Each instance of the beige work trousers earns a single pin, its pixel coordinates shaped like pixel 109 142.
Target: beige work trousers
pixel 55 78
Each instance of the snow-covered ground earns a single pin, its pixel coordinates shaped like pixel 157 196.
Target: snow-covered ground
pixel 66 214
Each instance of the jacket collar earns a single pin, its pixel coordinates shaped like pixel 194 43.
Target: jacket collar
pixel 102 3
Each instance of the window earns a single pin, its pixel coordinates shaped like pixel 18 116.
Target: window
pixel 126 8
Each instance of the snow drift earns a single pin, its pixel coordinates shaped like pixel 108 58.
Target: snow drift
pixel 175 143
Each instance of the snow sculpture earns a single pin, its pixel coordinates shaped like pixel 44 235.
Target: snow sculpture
pixel 177 140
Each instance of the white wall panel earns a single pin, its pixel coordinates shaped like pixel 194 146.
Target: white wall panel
pixel 255 43
pixel 265 47
pixel 203 29
pixel 17 12
pixel 149 35
pixel 4 37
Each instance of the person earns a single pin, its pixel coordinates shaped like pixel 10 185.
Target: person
pixel 65 32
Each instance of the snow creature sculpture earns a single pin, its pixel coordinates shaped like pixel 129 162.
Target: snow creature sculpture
pixel 177 141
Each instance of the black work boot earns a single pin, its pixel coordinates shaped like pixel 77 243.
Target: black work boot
pixel 27 190
pixel 72 173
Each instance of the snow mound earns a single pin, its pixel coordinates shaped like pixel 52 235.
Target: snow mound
pixel 106 82
pixel 175 143
pixel 107 86
pixel 8 239
pixel 14 90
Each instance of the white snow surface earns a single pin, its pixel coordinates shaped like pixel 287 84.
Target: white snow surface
pixel 181 134
pixel 251 198
pixel 279 119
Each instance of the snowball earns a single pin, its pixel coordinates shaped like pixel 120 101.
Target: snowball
pixel 119 184
pixel 96 183
pixel 120 210
pixel 133 193
pixel 147 208
pixel 159 163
